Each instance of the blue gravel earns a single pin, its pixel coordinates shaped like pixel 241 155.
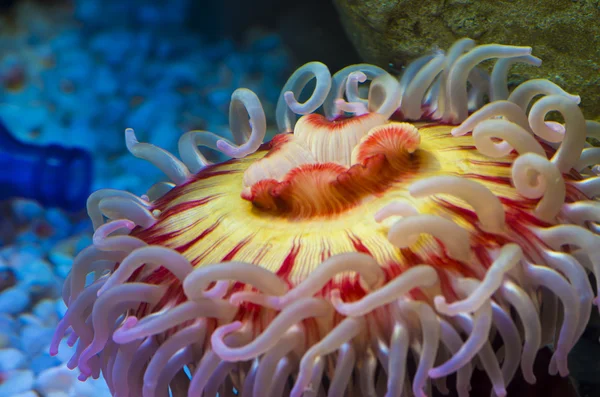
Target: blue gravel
pixel 88 74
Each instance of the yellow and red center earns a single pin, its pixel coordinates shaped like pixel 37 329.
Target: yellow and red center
pixel 307 196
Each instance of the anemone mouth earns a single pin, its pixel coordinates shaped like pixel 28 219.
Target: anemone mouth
pixel 385 157
pixel 314 264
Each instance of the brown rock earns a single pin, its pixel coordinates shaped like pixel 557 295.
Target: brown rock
pixel 565 34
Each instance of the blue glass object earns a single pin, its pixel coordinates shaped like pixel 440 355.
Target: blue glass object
pixel 53 175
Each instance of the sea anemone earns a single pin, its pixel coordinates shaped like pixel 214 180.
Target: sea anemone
pixel 355 254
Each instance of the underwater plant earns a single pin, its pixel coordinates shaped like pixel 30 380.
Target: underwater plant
pixel 356 253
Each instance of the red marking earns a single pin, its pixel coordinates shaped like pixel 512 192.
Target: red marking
pixel 204 233
pixel 501 180
pixel 326 252
pixel 392 269
pixel 278 142
pixel 319 121
pixel 465 213
pixel 440 124
pixel 389 140
pixel 156 236
pixel 208 251
pixel 456 148
pixel 358 245
pixel 287 265
pixel 185 206
pixel 236 249
pixel 491 163
pixel 261 253
pixel 398 115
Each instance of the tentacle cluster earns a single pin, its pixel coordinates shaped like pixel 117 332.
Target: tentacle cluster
pixel 471 257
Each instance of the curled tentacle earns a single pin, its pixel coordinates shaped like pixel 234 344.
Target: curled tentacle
pixel 163 160
pixel 125 208
pixel 582 212
pixel 181 339
pixel 247 122
pixel 430 328
pixel 366 374
pixel 292 339
pixel 109 307
pixel 478 337
pixel 415 91
pixel 570 149
pixel 363 264
pixel 531 325
pixel 480 89
pixel 505 109
pixel 159 189
pixel 189 152
pixel 415 277
pixel 210 362
pixel 459 48
pixel 154 324
pixel 338 85
pixel 486 356
pixel 352 93
pixel 126 244
pixel 399 343
pixel 453 342
pixel 291 315
pixel 411 70
pixel 288 106
pixel 196 283
pixel 75 318
pixel 535 177
pixel 510 255
pixel 405 232
pixel 487 206
pixel 152 256
pixel 513 137
pixel 89 260
pixel 525 92
pixel 342 333
pixel 342 375
pixel 575 273
pixel 395 208
pixel 384 95
pixel 552 280
pixel 511 341
pixel 590 157
pixel 457 77
pixel 93 203
pixel 499 88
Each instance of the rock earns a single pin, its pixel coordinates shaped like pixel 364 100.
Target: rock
pixel 564 34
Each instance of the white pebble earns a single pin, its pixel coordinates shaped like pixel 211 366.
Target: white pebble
pixel 29 393
pixel 14 300
pixel 57 379
pixel 11 358
pixel 16 381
